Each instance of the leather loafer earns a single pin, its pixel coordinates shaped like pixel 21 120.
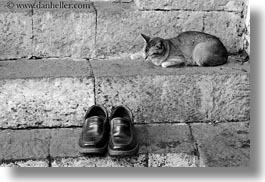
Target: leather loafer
pixel 122 136
pixel 95 132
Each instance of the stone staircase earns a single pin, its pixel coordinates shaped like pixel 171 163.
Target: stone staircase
pixel 56 64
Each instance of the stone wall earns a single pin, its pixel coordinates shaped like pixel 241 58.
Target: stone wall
pixel 111 28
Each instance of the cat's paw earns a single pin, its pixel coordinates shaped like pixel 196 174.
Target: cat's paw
pixel 137 55
pixel 172 64
pixel 133 56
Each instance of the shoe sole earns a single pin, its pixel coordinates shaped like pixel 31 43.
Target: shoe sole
pixel 123 153
pixel 93 150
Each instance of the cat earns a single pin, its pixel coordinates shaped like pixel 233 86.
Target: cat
pixel 189 48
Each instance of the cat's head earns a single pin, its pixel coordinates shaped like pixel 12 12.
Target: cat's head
pixel 154 47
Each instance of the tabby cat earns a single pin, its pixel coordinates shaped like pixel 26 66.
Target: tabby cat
pixel 188 48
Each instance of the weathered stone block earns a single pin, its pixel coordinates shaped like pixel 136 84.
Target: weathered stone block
pixel 228 26
pixel 15 35
pixel 225 97
pixel 44 102
pixel 172 160
pixel 169 138
pixel 224 144
pixel 173 95
pixel 134 161
pixel 152 99
pixel 24 144
pixel 64 33
pixel 119 26
pixel 29 163
pixel 53 93
pixel 198 5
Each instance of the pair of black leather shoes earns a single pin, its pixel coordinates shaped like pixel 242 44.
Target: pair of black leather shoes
pixel 115 134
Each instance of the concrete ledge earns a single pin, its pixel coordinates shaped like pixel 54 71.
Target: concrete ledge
pixel 57 92
pixel 41 93
pixel 190 94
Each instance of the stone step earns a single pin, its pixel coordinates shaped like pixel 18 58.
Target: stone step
pixel 161 145
pixel 45 93
pixel 58 92
pixel 111 29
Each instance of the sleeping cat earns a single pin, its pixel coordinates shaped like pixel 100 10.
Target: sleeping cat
pixel 188 48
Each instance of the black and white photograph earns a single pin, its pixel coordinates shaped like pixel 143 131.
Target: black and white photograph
pixel 125 83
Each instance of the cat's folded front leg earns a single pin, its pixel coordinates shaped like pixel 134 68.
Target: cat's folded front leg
pixel 174 62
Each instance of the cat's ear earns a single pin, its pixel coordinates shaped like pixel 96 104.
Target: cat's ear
pixel 146 38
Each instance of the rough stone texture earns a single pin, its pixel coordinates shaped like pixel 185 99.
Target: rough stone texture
pixel 172 160
pixel 15 35
pixel 229 97
pixel 44 102
pixel 224 144
pixel 169 138
pixel 119 26
pixel 64 33
pixel 44 93
pixel 228 26
pixel 24 144
pixel 137 161
pixel 176 95
pixel 199 5
pixel 29 163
